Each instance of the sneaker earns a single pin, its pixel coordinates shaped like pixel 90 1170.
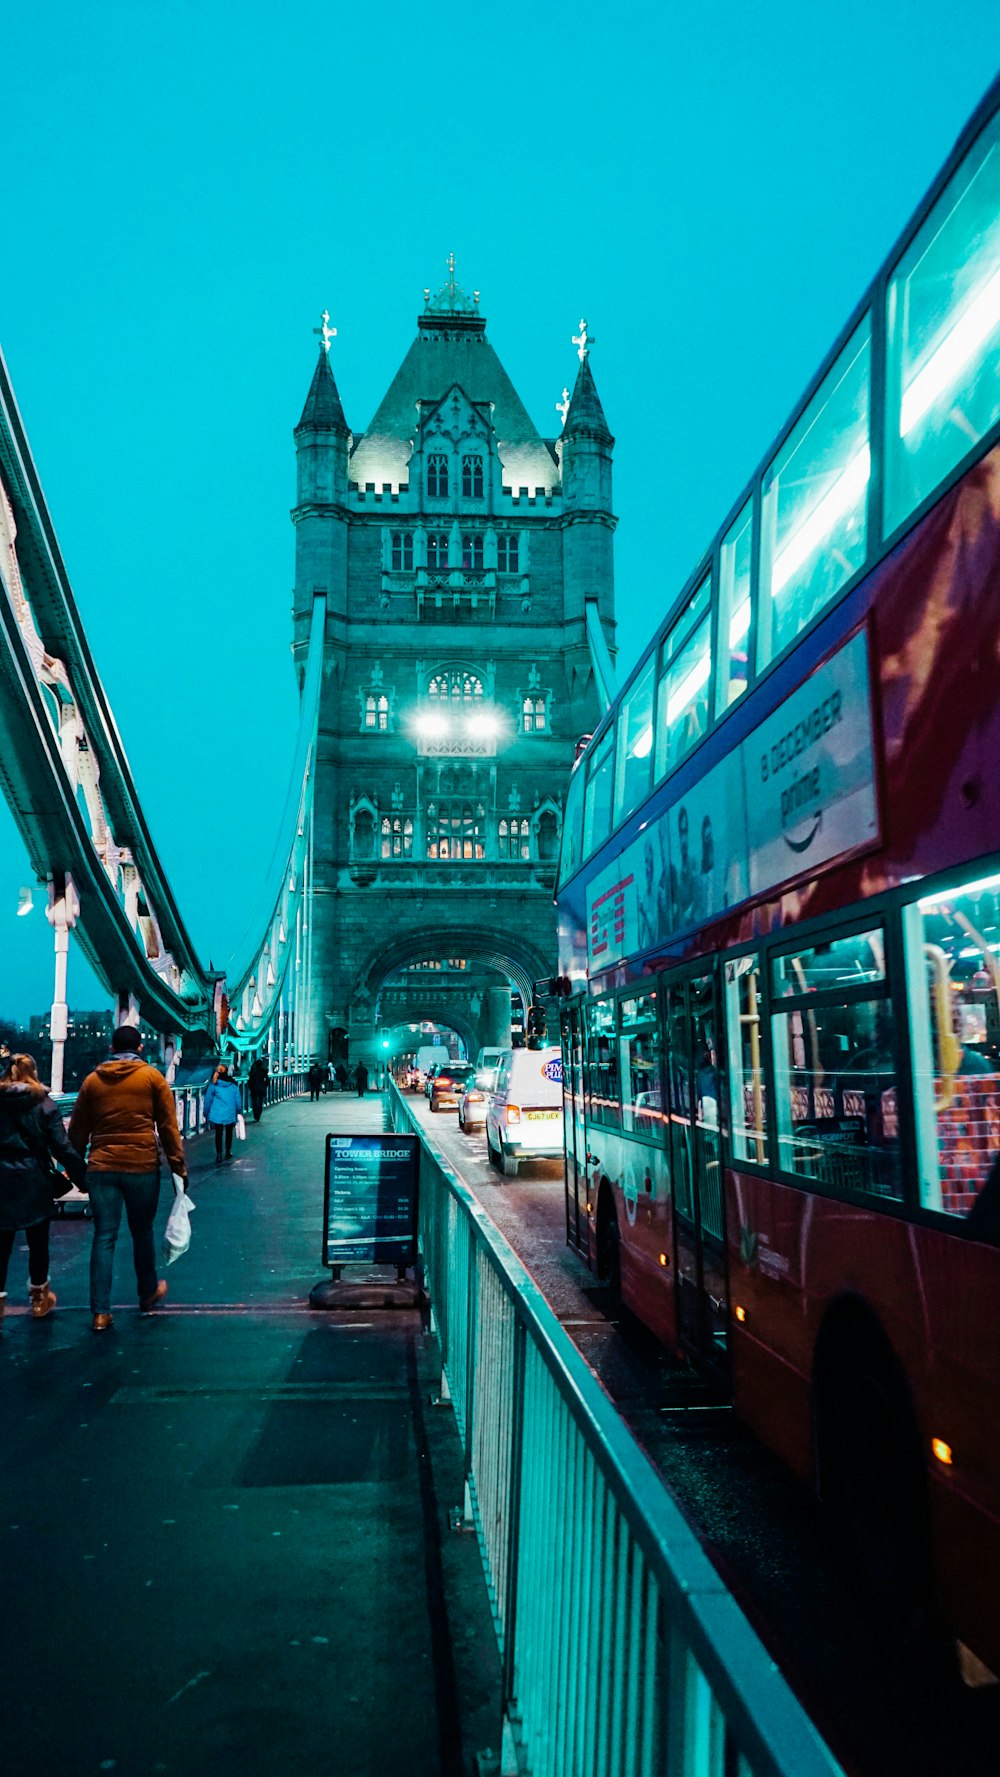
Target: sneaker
pixel 100 1323
pixel 43 1300
pixel 148 1303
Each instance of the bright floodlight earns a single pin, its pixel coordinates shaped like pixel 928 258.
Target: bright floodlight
pixel 431 725
pixel 483 725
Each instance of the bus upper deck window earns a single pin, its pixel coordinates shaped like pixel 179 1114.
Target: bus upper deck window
pixel 814 510
pixel 571 854
pixel 952 940
pixel 685 682
pixel 735 564
pixel 635 745
pixel 597 797
pixel 943 326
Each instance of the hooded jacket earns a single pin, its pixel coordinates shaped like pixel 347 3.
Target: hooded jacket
pixel 120 1110
pixel 222 1102
pixel 31 1134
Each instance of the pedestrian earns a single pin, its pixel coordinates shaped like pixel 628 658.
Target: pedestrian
pixel 31 1137
pixel 257 1081
pixel 222 1107
pixel 361 1076
pixel 315 1079
pixel 340 1075
pixel 121 1109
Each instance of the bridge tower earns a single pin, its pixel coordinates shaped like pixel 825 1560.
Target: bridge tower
pixel 458 550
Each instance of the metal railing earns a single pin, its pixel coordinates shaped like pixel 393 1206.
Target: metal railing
pixel 623 1654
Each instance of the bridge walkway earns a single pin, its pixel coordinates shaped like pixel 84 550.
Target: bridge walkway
pixel 223 1528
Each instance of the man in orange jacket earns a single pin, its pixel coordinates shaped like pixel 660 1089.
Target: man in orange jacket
pixel 121 1109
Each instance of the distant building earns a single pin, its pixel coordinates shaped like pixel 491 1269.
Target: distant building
pixel 457 549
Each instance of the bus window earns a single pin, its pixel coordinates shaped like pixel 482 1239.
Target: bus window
pixel 735 561
pixel 597 804
pixel 602 1057
pixel 953 975
pixel 642 1112
pixel 571 856
pixel 685 682
pixel 635 745
pixel 943 325
pixel 747 1091
pixel 815 503
pixel 835 1068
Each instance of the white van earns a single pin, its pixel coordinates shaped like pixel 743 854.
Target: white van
pixel 524 1117
pixel 489 1059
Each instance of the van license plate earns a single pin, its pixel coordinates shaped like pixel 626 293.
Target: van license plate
pixel 543 1116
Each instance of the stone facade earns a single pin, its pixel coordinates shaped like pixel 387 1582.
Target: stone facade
pixel 457 550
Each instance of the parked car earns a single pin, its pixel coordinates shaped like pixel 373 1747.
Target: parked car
pixel 448 1085
pixel 475 1098
pixel 524 1115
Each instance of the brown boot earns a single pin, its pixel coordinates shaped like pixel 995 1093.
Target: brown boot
pixel 43 1299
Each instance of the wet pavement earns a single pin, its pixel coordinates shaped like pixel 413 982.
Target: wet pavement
pixel 224 1528
pixel 883 1708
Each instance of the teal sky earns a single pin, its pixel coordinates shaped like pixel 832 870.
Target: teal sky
pixel 187 186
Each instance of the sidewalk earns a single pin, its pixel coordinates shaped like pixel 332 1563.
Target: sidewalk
pixel 223 1528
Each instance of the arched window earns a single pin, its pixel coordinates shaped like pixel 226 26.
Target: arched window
pixel 437 549
pixel 508 553
pixel 472 478
pixel 514 838
pixel 456 686
pixel 402 551
pixel 437 475
pixel 455 830
pixel 364 834
pixel 376 713
pixel 548 836
pixel 397 836
pixel 472 551
pixel 533 717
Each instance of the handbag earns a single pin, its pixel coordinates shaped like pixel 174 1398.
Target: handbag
pixel 241 1128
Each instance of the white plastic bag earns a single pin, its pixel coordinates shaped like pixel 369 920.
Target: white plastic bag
pixel 241 1128
pixel 177 1233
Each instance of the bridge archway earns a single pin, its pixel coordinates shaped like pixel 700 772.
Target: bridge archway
pixel 390 990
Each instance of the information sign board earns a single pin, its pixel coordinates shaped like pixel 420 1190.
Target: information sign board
pixel 370 1199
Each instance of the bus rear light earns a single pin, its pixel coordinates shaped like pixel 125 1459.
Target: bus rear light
pixel 513 1113
pixel 590 1209
pixel 663 1258
pixel 740 1313
pixel 942 1451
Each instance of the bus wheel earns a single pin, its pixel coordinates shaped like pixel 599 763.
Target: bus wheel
pixel 871 1472
pixel 609 1247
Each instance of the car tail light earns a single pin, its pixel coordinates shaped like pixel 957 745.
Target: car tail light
pixel 475 1097
pixel 513 1113
pixel 442 1080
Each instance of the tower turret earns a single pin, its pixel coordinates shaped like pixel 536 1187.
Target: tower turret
pixel 322 446
pixel 588 521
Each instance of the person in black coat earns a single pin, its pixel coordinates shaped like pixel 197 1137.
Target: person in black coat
pixel 257 1082
pixel 31 1137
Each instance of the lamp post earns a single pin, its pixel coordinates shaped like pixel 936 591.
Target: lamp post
pixel 62 913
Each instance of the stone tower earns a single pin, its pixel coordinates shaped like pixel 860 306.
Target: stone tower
pixel 458 550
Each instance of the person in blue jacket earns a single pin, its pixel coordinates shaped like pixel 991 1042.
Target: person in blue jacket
pixel 222 1107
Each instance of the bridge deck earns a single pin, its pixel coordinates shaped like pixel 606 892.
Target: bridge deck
pixel 221 1536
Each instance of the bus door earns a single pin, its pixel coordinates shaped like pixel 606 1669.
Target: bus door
pixel 575 1139
pixel 700 1274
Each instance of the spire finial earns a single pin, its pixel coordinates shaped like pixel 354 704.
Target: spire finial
pixel 451 277
pixel 326 332
pixel 563 406
pixel 583 341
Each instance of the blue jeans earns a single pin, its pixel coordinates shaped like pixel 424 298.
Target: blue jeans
pixel 139 1194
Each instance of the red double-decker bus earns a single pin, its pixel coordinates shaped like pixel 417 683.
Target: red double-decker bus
pixel 779 916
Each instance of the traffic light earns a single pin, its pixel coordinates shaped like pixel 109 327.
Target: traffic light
pixel 385 1042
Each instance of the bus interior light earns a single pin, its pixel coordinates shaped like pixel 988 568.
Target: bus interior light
pixel 689 687
pixel 807 536
pixel 942 1451
pixel 943 367
pixel 643 743
pixel 942 897
pixel 739 623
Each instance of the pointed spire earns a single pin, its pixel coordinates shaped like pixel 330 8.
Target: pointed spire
pixel 323 409
pixel 585 417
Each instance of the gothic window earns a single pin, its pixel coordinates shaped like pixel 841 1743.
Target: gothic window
pixel 455 830
pixel 437 476
pixel 456 686
pixel 402 551
pixel 376 713
pixel 514 837
pixel 508 552
pixel 397 836
pixel 548 836
pixel 472 478
pixel 472 551
pixel 533 716
pixel 437 549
